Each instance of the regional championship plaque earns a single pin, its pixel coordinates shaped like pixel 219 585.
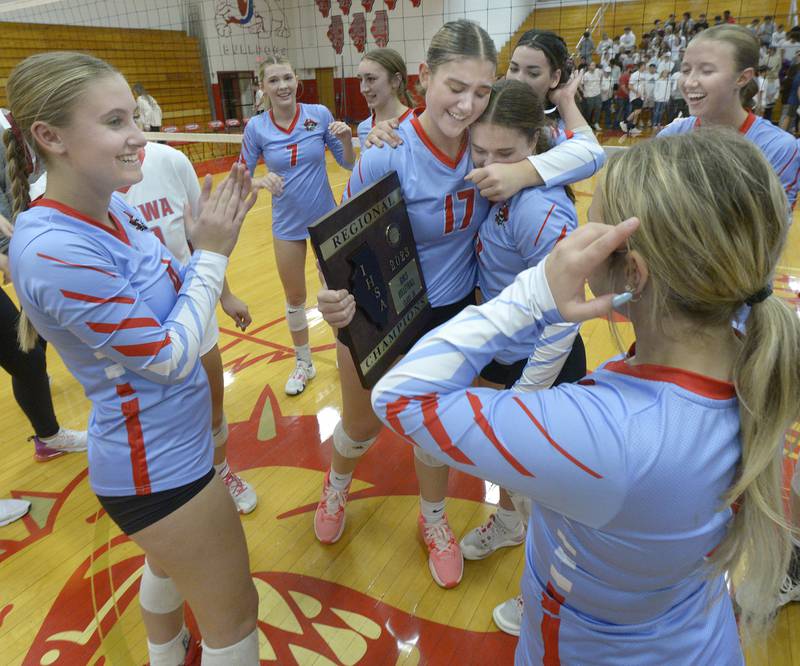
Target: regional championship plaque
pixel 367 247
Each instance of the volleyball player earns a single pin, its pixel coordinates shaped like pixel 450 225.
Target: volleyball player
pixel 541 60
pixel 633 472
pixel 168 184
pixel 518 234
pixel 445 210
pixel 128 320
pixel 383 83
pixel 717 81
pixel 292 138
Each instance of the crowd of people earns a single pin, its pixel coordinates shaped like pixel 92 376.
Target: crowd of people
pixel 631 74
pixel 636 490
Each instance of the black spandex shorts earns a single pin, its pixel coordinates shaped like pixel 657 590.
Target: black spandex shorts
pixel 132 513
pixel 574 368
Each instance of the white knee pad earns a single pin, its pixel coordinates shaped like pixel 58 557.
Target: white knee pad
pixel 348 447
pixel 296 317
pixel 522 503
pixel 158 595
pixel 427 458
pixel 243 653
pixel 221 434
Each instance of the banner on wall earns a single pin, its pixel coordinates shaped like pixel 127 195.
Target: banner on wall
pixel 336 33
pixel 380 28
pixel 324 7
pixel 358 31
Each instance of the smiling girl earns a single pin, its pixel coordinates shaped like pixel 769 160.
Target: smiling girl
pixel 717 79
pixel 383 83
pixel 292 138
pixel 128 320
pixel 445 210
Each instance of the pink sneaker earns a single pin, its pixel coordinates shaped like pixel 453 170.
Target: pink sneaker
pixel 329 517
pixel 444 555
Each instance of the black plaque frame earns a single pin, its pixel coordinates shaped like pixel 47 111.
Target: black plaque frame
pixel 367 246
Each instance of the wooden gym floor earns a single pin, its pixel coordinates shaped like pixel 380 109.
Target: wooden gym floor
pixel 69 578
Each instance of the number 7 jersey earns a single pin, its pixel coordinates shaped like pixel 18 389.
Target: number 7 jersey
pixel 296 154
pixel 445 210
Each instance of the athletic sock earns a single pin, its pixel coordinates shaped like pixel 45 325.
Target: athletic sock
pixel 170 653
pixel 222 468
pixel 432 512
pixel 510 518
pixel 303 353
pixel 340 481
pixel 243 653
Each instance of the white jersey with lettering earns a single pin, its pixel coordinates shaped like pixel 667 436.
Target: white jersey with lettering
pixel 168 183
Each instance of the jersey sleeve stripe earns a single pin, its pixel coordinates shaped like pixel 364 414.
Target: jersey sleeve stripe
pixel 77 296
pixel 541 229
pixel 67 263
pixel 133 425
pixel 143 349
pixel 133 322
pixel 554 444
pixel 483 424
pixel 789 161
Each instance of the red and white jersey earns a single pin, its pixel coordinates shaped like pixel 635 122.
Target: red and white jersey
pixel 168 182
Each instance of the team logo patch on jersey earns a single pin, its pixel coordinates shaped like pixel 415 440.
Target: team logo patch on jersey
pixel 310 125
pixel 136 222
pixel 501 216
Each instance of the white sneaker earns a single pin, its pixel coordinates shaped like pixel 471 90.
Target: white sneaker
pixel 12 509
pixel 241 492
pixel 487 538
pixel 508 615
pixel 597 127
pixel 64 441
pixel 623 126
pixel 302 373
pixel 635 131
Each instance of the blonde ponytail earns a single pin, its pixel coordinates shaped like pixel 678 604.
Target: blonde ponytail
pixel 17 177
pixel 730 247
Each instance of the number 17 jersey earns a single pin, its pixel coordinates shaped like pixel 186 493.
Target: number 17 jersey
pixel 445 210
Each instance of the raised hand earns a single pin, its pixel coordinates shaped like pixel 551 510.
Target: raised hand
pixel 271 182
pixel 222 212
pixel 575 258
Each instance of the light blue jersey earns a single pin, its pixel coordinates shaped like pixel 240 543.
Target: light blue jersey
pixel 779 147
pixel 128 320
pixel 366 125
pixel 444 209
pixel 518 234
pixel 297 154
pixel 626 470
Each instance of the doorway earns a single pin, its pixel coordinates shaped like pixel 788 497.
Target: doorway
pixel 237 90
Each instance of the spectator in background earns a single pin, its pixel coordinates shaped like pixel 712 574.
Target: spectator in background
pixel 754 27
pixel 606 96
pixel 768 92
pixel 621 96
pixel 778 36
pixel 149 110
pixel 765 31
pixel 627 40
pixel 592 101
pixel 717 19
pixel 661 95
pixel 586 47
pixel 702 23
pixel 790 46
pixel 789 112
pixel 686 25
pixel 605 49
pixel 677 105
pixel 773 62
pixel 727 18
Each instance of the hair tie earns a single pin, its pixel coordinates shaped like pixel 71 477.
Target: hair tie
pixel 15 130
pixel 759 296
